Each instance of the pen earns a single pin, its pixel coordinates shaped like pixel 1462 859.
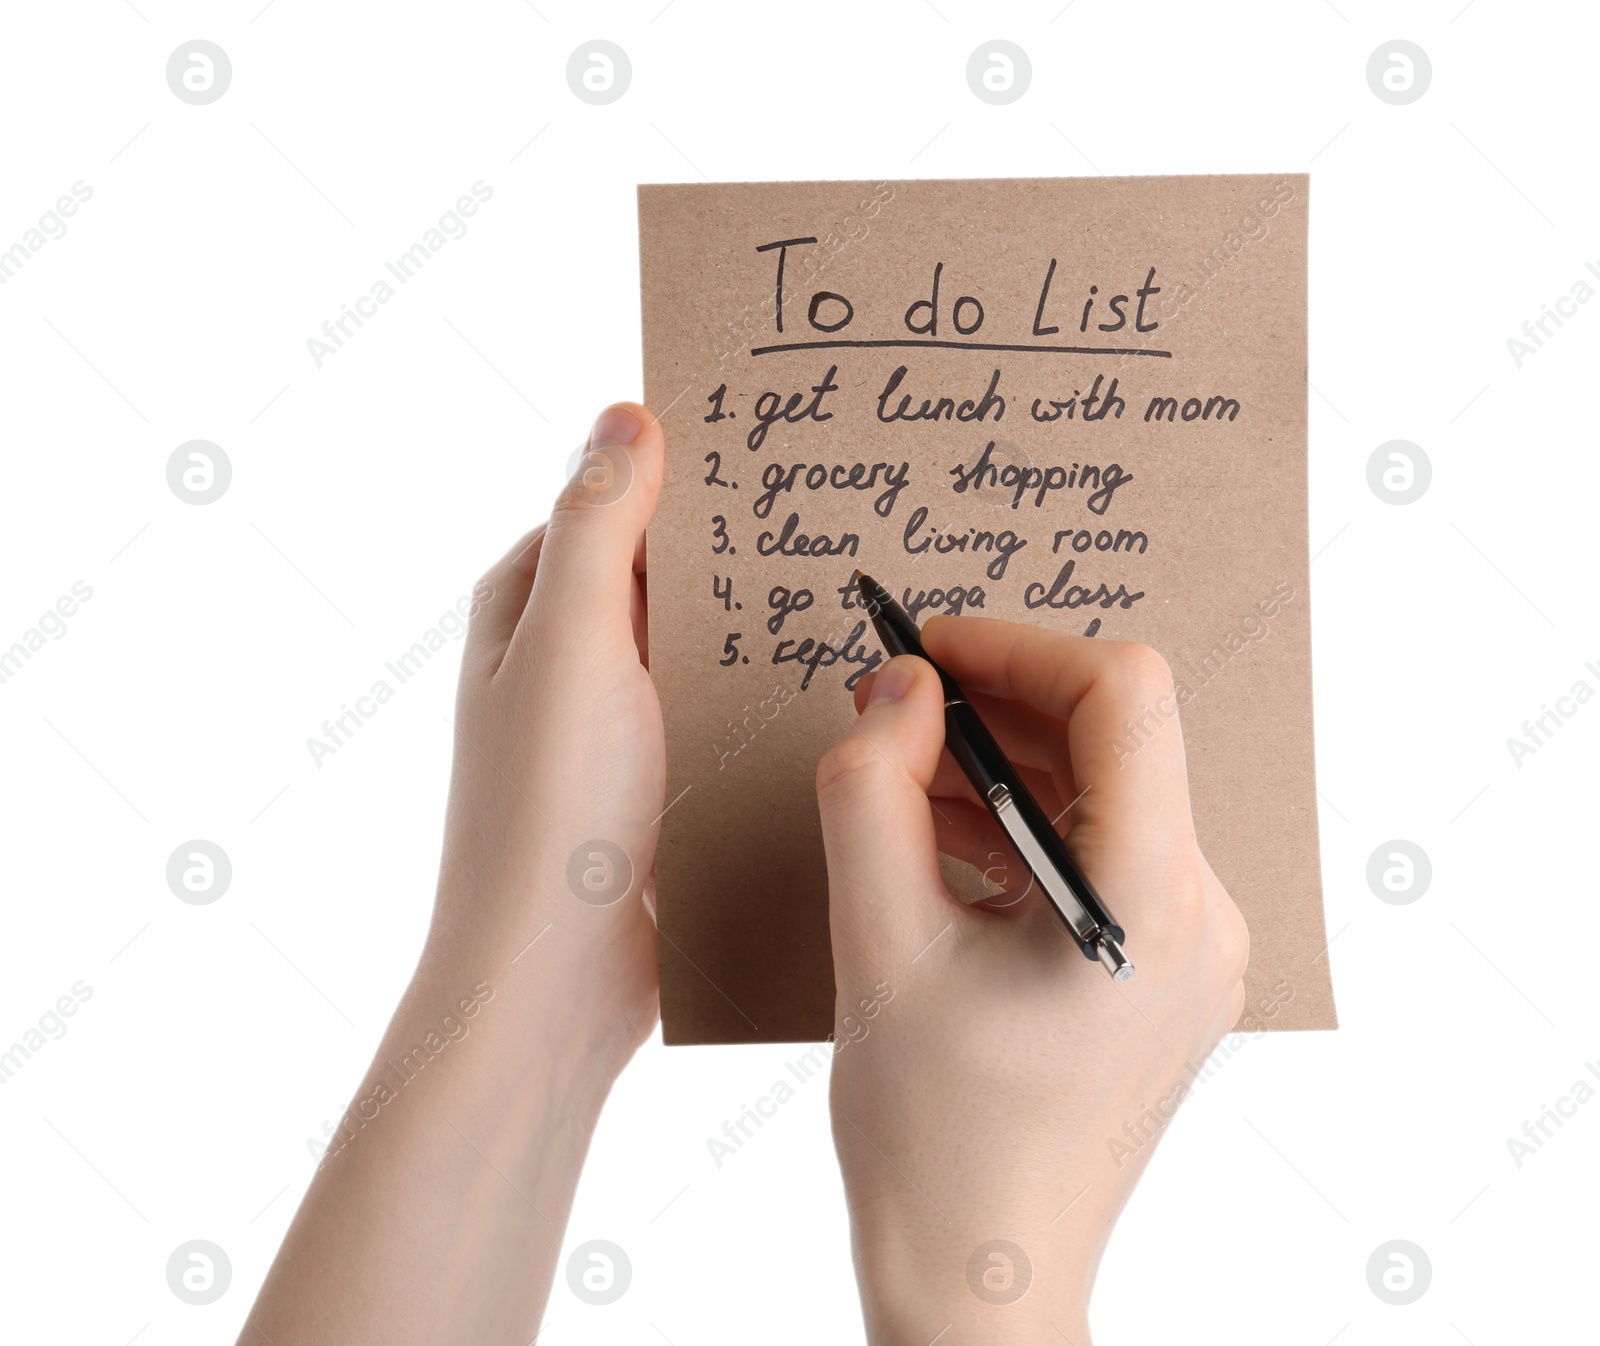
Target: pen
pixel 1091 926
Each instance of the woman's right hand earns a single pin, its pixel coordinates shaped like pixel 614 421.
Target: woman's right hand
pixel 995 1095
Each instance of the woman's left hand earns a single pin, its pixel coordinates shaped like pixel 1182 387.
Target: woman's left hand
pixel 560 766
pixel 447 1184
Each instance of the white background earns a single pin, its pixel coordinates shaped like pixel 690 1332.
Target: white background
pixel 368 494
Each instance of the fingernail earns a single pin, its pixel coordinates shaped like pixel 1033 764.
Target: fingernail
pixel 893 682
pixel 617 425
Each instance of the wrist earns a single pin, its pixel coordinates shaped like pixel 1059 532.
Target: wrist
pixel 999 1279
pixel 569 977
pixel 523 1011
pixel 991 1304
pixel 482 1098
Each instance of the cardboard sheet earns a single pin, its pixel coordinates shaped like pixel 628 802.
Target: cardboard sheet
pixel 1074 402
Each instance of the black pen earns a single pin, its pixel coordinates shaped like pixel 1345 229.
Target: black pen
pixel 975 751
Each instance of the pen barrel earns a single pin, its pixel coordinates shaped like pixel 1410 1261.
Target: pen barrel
pixel 976 752
pixel 984 764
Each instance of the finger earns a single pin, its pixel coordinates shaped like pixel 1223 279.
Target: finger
pixel 885 895
pixel 639 617
pixel 1027 736
pixel 1035 744
pixel 499 598
pixel 1125 746
pixel 583 592
pixel 641 601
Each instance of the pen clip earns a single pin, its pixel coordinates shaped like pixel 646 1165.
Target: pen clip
pixel 1044 869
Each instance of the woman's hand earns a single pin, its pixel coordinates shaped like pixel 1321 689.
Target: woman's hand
pixel 997 1096
pixel 560 763
pixel 438 1210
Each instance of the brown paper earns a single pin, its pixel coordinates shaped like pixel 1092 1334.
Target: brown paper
pixel 1198 547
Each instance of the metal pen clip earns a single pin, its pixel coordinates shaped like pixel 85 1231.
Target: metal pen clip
pixel 1056 887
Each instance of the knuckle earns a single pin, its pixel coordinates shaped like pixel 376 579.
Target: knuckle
pixel 1187 908
pixel 572 504
pixel 499 574
pixel 1140 668
pixel 1237 953
pixel 605 476
pixel 482 597
pixel 850 768
pixel 1234 1005
pixel 1231 943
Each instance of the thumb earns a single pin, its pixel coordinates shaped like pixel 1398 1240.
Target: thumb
pixel 585 577
pixel 885 897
